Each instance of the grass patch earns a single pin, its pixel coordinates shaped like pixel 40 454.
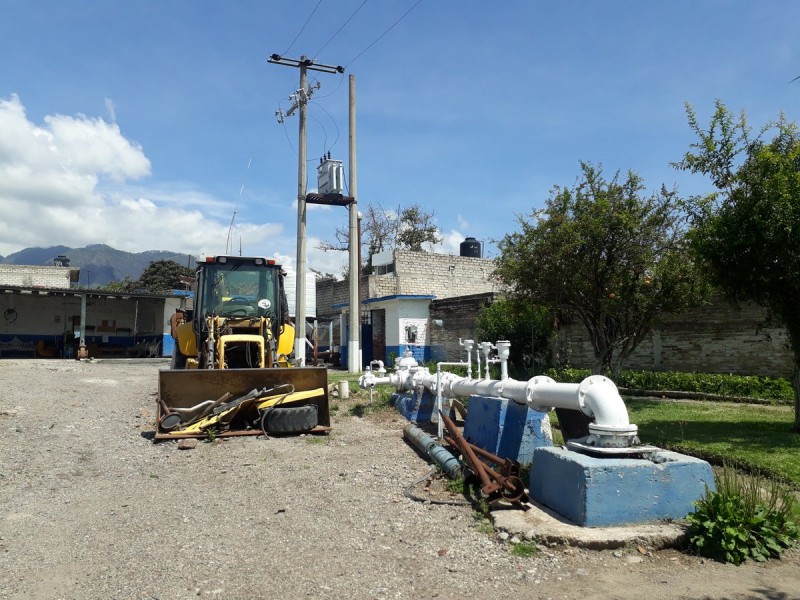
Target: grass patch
pixel 755 437
pixel 525 549
pixel 456 486
pixel 482 524
pixel 316 439
pixel 381 401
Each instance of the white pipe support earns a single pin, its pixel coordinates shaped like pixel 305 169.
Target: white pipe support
pixel 503 353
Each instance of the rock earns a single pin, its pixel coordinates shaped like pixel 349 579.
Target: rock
pixel 187 444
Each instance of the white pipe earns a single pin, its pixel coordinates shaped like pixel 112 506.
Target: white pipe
pixel 595 396
pixel 468 345
pixel 503 352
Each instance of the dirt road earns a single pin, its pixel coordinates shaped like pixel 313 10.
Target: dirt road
pixel 92 508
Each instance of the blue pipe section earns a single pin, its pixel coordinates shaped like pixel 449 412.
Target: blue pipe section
pixel 429 446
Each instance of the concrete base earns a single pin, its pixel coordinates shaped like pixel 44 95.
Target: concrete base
pixel 601 492
pixel 506 428
pixel 420 408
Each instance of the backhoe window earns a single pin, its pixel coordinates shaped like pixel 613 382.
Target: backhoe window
pixel 240 290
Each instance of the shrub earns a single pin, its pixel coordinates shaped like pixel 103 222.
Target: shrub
pixel 770 388
pixel 746 517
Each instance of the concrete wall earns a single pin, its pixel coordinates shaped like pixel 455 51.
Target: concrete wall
pixel 718 338
pixel 35 276
pixel 426 273
pixel 440 275
pixel 458 317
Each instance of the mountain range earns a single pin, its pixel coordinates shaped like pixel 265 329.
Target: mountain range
pixel 99 263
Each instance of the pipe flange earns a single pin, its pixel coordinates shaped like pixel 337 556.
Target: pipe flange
pixel 610 436
pixel 530 388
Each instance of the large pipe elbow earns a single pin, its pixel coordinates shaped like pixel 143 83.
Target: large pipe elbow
pixel 599 398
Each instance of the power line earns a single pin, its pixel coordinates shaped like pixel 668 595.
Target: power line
pixel 336 89
pixel 392 26
pixel 318 105
pixel 303 27
pixel 340 28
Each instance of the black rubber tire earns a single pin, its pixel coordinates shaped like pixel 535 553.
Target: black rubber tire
pixel 291 419
pixel 178 359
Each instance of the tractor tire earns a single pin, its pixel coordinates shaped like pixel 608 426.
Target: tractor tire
pixel 290 420
pixel 178 359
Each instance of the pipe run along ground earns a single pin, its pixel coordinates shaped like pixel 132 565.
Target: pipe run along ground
pixel 430 447
pixel 595 396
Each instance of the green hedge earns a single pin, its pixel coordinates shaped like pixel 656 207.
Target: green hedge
pixel 748 386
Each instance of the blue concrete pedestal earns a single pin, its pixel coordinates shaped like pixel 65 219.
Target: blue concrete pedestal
pixel 602 492
pixel 419 408
pixel 506 428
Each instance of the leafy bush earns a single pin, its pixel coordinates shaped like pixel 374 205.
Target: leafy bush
pixel 770 388
pixel 747 517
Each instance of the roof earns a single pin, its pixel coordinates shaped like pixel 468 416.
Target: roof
pixel 45 291
pixel 428 297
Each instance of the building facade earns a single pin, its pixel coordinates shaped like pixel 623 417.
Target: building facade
pixel 41 315
pixel 395 301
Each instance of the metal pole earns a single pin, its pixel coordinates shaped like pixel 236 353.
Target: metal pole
pixel 82 338
pixel 300 294
pixel 354 352
pixel 304 64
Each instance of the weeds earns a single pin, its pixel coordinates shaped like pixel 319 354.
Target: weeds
pixel 748 516
pixel 381 401
pixel 456 486
pixel 525 549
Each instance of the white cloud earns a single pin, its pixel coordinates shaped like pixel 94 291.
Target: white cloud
pixel 451 242
pixel 68 181
pixel 112 113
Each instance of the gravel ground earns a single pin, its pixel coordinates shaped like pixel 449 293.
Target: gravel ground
pixel 90 507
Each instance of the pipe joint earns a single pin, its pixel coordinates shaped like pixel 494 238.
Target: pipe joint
pixel 532 393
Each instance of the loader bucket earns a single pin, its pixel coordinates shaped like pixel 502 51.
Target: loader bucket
pixel 186 388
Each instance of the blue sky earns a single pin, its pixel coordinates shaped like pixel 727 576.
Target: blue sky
pixel 146 124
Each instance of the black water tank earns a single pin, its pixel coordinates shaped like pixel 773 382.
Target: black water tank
pixel 471 247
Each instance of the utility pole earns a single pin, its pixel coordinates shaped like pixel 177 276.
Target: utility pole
pixel 301 101
pixel 354 351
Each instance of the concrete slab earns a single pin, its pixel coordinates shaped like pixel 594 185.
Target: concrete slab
pixel 544 526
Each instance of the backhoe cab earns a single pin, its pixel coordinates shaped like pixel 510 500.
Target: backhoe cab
pixel 240 318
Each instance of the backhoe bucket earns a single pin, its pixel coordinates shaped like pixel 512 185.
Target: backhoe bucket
pixel 182 389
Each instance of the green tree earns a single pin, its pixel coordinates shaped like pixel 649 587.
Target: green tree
pixel 606 253
pixel 409 227
pixel 160 276
pixel 126 285
pixel 528 327
pixel 747 232
pixel 415 228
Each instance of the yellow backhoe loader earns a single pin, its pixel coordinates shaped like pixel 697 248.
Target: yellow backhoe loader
pixel 231 370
